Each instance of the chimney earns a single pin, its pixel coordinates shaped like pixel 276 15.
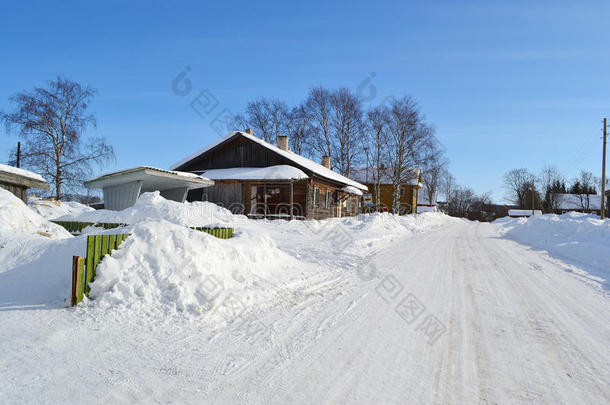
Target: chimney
pixel 282 142
pixel 326 162
pixel 249 131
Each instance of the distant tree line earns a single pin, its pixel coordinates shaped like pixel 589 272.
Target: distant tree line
pixel 543 190
pixel 388 138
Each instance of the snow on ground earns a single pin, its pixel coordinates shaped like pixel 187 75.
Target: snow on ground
pixel 333 311
pixel 579 239
pixel 16 218
pixel 153 206
pixel 51 209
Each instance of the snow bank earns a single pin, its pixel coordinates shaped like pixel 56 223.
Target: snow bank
pixel 166 267
pixel 51 209
pixel 151 206
pixel 576 237
pixel 15 216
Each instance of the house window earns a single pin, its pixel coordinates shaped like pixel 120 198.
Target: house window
pixel 316 197
pixel 327 198
pixel 349 203
pixel 402 191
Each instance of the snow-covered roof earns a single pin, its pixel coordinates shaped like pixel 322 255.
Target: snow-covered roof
pixel 38 180
pixel 523 213
pixel 366 175
pixel 573 201
pixel 159 178
pixel 279 172
pixel 351 190
pixel 295 158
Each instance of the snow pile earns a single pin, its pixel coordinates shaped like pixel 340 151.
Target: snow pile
pixel 151 206
pixel 576 237
pixel 15 216
pixel 52 209
pixel 166 267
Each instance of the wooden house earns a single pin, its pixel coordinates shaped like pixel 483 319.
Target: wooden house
pixel 409 188
pixel 261 180
pixel 17 181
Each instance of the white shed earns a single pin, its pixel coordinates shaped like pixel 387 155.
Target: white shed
pixel 121 189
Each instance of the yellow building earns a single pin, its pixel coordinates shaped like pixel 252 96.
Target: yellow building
pixel 408 188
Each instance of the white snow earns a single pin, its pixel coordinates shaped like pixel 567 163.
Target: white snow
pixel 51 209
pixel 309 311
pixel 21 172
pixel 296 158
pixel 151 206
pixel 351 190
pixel 17 218
pixel 279 172
pixel 581 239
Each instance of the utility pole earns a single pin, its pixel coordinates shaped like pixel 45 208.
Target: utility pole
pixel 603 207
pixel 533 198
pixel 18 153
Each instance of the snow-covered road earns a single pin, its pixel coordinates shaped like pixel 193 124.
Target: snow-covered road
pixel 453 315
pixel 518 329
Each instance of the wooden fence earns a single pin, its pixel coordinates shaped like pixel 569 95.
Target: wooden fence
pixel 77 227
pixel 83 268
pixel 221 233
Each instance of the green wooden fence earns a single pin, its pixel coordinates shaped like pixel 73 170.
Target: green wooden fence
pixel 221 233
pixel 77 227
pixel 83 268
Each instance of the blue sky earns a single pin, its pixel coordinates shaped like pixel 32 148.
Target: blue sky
pixel 505 84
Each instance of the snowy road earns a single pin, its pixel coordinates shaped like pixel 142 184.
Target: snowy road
pixel 514 326
pixel 519 329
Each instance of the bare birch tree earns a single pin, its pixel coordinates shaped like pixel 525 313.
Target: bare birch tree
pixel 376 150
pixel 267 117
pixel 411 144
pixel 517 183
pixel 52 122
pixel 318 106
pixel 346 129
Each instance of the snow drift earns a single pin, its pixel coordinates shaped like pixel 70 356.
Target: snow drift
pixel 51 209
pixel 16 217
pixel 151 206
pixel 582 239
pixel 167 267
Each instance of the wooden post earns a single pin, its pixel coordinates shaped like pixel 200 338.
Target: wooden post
pixel 291 200
pixel 18 153
pixel 78 268
pixel 265 201
pixel 603 207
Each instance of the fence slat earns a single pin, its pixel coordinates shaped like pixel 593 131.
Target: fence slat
pixel 90 257
pixel 111 243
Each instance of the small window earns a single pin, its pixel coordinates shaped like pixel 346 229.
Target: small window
pixel 316 197
pixel 402 191
pixel 349 203
pixel 327 198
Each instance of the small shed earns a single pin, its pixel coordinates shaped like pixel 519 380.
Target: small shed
pixel 121 189
pixel 515 213
pixel 17 181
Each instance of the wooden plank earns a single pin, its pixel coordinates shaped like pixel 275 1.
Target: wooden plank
pixel 111 243
pixel 80 282
pixel 74 279
pixel 97 254
pixel 105 239
pixel 89 262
